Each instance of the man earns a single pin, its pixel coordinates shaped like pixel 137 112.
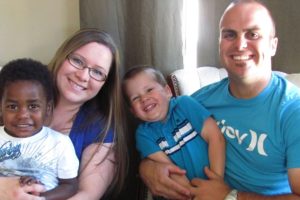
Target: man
pixel 257 111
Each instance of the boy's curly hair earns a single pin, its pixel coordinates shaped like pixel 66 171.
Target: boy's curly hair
pixel 26 69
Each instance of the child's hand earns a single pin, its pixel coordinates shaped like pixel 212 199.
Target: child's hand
pixel 29 180
pixel 182 180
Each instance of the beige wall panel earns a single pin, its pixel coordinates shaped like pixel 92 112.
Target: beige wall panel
pixel 35 28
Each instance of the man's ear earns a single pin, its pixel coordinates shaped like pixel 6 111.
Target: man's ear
pixel 274 44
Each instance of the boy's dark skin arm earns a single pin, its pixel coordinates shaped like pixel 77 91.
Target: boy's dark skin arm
pixel 65 189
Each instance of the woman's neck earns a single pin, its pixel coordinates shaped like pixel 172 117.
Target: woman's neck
pixel 63 116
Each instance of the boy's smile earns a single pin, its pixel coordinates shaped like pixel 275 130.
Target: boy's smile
pixel 24 108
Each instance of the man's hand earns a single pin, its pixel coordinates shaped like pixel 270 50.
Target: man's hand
pixel 212 189
pixel 156 176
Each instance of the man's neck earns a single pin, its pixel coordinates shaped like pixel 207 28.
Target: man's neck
pixel 246 89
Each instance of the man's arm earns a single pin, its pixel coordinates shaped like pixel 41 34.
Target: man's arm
pixel 179 178
pixel 156 175
pixel 206 189
pixel 294 179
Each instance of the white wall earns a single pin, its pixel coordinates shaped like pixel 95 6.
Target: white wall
pixel 35 28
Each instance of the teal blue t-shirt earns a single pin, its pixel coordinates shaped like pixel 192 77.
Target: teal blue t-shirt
pixel 262 134
pixel 178 136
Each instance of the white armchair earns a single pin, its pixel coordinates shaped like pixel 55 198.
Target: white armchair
pixel 187 81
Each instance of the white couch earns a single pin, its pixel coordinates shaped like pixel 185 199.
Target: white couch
pixel 187 81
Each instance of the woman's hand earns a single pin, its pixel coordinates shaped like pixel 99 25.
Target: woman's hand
pixel 156 176
pixel 10 189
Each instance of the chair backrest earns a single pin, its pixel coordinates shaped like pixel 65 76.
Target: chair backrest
pixel 187 81
pixel 294 78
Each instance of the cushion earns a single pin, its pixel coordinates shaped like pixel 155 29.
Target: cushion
pixel 187 81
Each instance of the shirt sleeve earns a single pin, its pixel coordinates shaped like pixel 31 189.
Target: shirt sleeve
pixel 145 142
pixel 291 134
pixel 195 112
pixel 68 163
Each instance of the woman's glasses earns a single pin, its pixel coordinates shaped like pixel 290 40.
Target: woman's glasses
pixel 79 62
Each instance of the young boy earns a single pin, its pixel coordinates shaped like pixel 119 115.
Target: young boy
pixel 27 148
pixel 178 130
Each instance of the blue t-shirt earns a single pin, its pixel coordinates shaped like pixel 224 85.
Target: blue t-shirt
pixel 262 134
pixel 82 136
pixel 178 136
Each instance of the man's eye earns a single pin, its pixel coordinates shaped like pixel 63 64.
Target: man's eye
pixel 149 89
pixel 252 35
pixel 228 35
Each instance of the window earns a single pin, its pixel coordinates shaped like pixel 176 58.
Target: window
pixel 189 29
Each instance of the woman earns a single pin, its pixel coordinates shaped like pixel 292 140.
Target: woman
pixel 88 108
pixel 86 75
